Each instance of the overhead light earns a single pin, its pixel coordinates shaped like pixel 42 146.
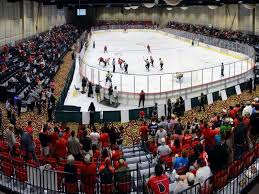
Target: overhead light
pixel 184 8
pixel 240 2
pixel 149 5
pixel 173 2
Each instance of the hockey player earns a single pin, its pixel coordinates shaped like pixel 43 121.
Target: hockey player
pixel 106 62
pixel 161 64
pixel 120 61
pixel 93 44
pixel 148 49
pixel 101 60
pixel 147 64
pixel 126 67
pixel 108 77
pixel 152 61
pixel 113 65
pixel 222 69
pixel 105 49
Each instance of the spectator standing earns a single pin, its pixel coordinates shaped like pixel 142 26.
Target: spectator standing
pixel 104 140
pixel 202 102
pixel 98 92
pixel 153 127
pixel 141 98
pixel 61 147
pixel 250 85
pixel 143 131
pixel 161 133
pixel 248 109
pixel 239 139
pixel 160 182
pixel 91 109
pixel 203 171
pixel 70 174
pixel 222 70
pixel 122 174
pixel 74 146
pixel 89 174
pixel 110 93
pixel 51 106
pixel 95 136
pixel 86 143
pixel 11 140
pixel 169 107
pixel 44 141
pixel 28 144
pixel 164 123
pixel 116 96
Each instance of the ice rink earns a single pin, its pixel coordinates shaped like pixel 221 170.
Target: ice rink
pixel 178 56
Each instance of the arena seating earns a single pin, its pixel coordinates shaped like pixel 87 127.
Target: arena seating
pixel 241 37
pixel 34 62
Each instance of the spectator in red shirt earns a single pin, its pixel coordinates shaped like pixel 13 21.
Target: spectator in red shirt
pixel 53 136
pixel 141 115
pixel 61 147
pixel 143 131
pixel 80 132
pixel 116 153
pixel 29 127
pixel 66 133
pixel 88 175
pixel 96 153
pixel 232 112
pixel 176 147
pixel 104 140
pixel 159 183
pixel 209 134
pixel 187 139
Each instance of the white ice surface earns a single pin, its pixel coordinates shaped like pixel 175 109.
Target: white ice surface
pixel 178 56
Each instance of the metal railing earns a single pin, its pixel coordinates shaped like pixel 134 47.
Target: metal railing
pixel 167 84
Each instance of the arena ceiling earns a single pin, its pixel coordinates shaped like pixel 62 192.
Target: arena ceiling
pixel 161 3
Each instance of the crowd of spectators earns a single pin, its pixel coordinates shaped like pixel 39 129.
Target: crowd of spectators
pixel 230 35
pixel 81 156
pixel 187 153
pixel 200 149
pixel 27 70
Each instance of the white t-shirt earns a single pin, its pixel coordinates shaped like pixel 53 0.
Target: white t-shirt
pixel 160 135
pixel 203 174
pixel 94 136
